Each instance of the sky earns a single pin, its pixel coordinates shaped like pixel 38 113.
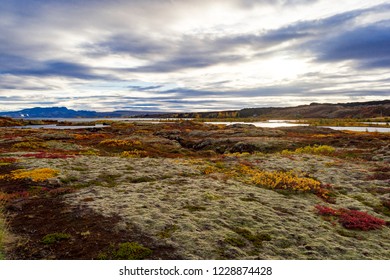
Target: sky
pixel 192 55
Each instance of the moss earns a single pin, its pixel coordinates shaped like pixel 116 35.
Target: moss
pixel 249 199
pixel 168 231
pixel 68 180
pixel 108 180
pixel 283 243
pixel 256 239
pixel 126 251
pixel 351 234
pixel 55 237
pixel 212 196
pixel 195 208
pixel 235 241
pixel 142 179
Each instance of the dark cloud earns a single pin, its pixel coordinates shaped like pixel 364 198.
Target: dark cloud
pixel 58 68
pixel 368 45
pixel 132 44
pixel 140 88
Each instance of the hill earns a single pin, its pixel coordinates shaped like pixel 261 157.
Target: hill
pixel 314 110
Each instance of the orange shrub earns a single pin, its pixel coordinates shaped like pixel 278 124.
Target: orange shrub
pixel 36 175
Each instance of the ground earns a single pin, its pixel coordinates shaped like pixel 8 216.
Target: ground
pixel 188 190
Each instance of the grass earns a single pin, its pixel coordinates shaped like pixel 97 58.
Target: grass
pixel 3 232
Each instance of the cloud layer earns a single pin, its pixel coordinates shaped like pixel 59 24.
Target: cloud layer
pixel 194 55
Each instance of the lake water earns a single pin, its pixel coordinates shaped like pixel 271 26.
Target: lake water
pixel 53 126
pixel 269 124
pixel 360 128
pixel 280 123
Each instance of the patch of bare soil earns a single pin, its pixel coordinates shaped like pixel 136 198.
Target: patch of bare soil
pixel 90 234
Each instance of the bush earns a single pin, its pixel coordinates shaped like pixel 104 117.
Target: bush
pixel 314 150
pixel 36 175
pixel 352 219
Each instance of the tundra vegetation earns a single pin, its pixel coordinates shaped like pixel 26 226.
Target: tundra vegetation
pixel 190 190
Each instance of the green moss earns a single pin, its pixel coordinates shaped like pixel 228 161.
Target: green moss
pixel 350 234
pixel 195 208
pixel 212 196
pixel 168 231
pixel 126 251
pixel 69 180
pixel 249 199
pixel 142 179
pixel 108 180
pixel 235 241
pixel 55 237
pixel 256 239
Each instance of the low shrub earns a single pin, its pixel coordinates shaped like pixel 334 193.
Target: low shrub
pixel 30 145
pixel 352 219
pixel 134 154
pixel 117 143
pixel 278 180
pixel 36 175
pixel 5 197
pixel 7 160
pixel 314 150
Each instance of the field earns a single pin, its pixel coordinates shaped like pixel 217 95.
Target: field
pixel 189 190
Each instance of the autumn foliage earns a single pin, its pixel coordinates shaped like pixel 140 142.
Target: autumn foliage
pixel 352 219
pixel 36 175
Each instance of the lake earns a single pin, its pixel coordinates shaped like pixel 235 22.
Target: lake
pixel 269 124
pixel 53 126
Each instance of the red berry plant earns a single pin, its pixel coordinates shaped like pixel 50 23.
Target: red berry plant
pixel 352 219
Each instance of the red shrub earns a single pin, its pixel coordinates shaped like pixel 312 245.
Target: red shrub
pixel 8 160
pixel 352 219
pixel 326 211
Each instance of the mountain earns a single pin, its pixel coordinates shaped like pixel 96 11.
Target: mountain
pixel 63 112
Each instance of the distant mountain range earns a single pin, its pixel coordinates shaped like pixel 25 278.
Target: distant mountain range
pixel 63 112
pixel 314 110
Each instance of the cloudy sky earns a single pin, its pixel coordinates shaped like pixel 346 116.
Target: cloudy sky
pixel 192 55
